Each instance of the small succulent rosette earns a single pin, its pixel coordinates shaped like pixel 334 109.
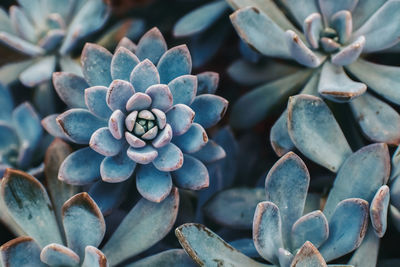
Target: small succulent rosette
pixel 46 31
pixel 329 39
pixel 140 110
pixel 20 135
pixel 282 228
pixel 61 227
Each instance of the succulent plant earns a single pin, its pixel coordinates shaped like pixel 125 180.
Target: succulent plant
pixel 329 39
pixel 21 135
pixel 46 31
pixel 53 232
pixel 139 117
pixel 281 228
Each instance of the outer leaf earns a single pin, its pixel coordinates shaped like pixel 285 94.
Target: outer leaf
pixel 172 258
pixel 96 62
pixel 208 249
pixel 132 236
pixel 21 252
pixel 308 256
pixel 378 210
pixel 70 88
pixel 315 132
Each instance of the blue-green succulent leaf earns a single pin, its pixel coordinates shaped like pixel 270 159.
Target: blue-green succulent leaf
pixel 10 72
pixel 81 167
pixel 347 227
pixel 118 94
pixel 96 64
pixel 364 10
pixel 180 117
pixel 246 246
pixel 312 25
pixel 38 72
pixel 68 64
pixel 311 227
pixel 170 158
pixel 209 109
pixel 94 258
pixel 52 39
pixel 301 9
pixel 138 101
pixel 79 124
pixel 142 155
pixel 95 100
pixel 5 23
pixel 286 186
pixel 329 8
pixel 174 63
pixel 56 254
pixel 20 45
pixel 315 132
pixel 83 223
pixel 335 85
pixel 380 78
pixel 161 97
pixel 27 125
pixel 379 34
pixel 308 256
pixel 171 257
pixel 193 140
pixel 117 168
pixel 151 46
pixel 183 89
pixel 153 184
pixel 263 99
pixel 378 121
pixel 21 252
pixel 104 143
pixel 371 161
pixel 234 208
pixel 70 88
pixel 23 27
pixel 200 19
pixel 208 249
pixel 144 75
pixel 192 175
pixel 29 205
pixel 123 63
pixel 349 53
pixel 132 235
pixel 378 210
pixel 267 231
pixel 367 253
pixel 343 23
pixel 260 32
pixel 207 82
pixel 211 152
pixel 50 124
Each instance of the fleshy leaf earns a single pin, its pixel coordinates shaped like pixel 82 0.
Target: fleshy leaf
pixel 131 236
pixel 56 254
pixel 94 258
pixel 307 256
pixel 117 168
pixel 208 249
pixel 180 117
pixel 207 82
pixel 211 152
pixel 144 75
pixel 143 155
pixel 21 252
pixel 312 26
pixel 151 46
pixel 38 72
pixel 96 62
pixel 153 184
pixel 174 63
pixel 209 109
pixel 378 210
pixel 29 205
pixel 104 143
pixel 349 53
pixel 234 207
pixel 118 94
pixel 328 8
pixel 171 257
pixel 122 64
pixel 183 89
pixel 192 175
pixel 193 140
pixel 70 88
pixel 95 100
pixel 170 158
pixel 311 125
pixel 161 96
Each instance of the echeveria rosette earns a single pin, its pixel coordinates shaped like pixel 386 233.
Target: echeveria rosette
pixel 60 227
pixel 330 40
pixel 20 135
pixel 141 112
pixel 46 31
pixel 282 228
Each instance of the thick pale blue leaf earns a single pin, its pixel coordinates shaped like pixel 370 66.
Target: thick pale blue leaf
pixel 27 125
pixel 343 23
pixel 193 140
pixel 312 26
pixel 301 9
pixel 132 235
pixel 308 256
pixel 371 161
pixel 254 106
pixel 138 102
pixel 192 175
pixel 83 223
pixel 209 109
pixel 79 124
pixel 104 143
pixel 56 254
pixel 312 126
pixel 52 39
pixel 38 72
pixel 153 184
pixel 96 62
pixel 378 121
pixel 380 78
pixel 143 155
pixel 211 152
pixel 20 45
pixel 50 124
pixel 151 46
pixel 378 210
pixel 171 257
pixel 234 207
pixel 70 65
pixel 200 19
pixel 267 231
pixel 21 252
pixel 161 97
pixel 367 253
pixel 207 82
pixel 378 33
pixel 94 258
pixel 183 89
pixel 95 100
pixel 70 88
pixel 10 72
pixel 29 205
pixel 286 186
pixel 23 27
pixel 117 168
pixel 170 158
pixel 311 227
pixel 349 53
pixel 364 10
pixel 174 63
pixel 347 228
pixel 122 64
pixel 180 117
pixel 118 94
pixel 246 246
pixel 144 75
pixel 328 8
pixel 81 167
pixel 335 85
pixel 208 249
